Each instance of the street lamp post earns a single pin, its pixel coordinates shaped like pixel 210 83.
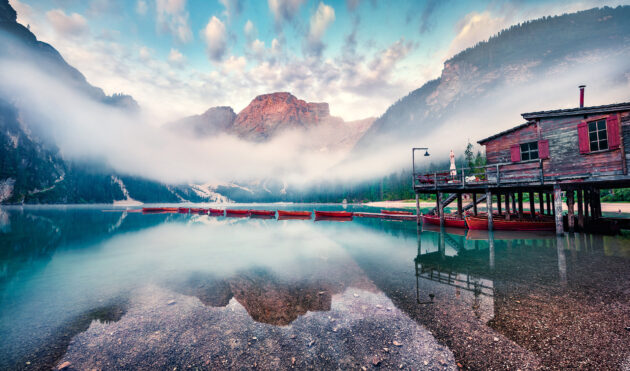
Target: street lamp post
pixel 413 176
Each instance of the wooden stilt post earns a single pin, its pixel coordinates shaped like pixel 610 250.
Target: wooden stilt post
pixel 514 209
pixel 597 202
pixel 580 210
pixel 489 208
pixel 460 212
pixel 557 203
pixel 587 197
pixel 474 198
pixel 417 209
pixel 548 197
pixel 532 206
pixel 570 218
pixel 499 204
pixel 507 206
pixel 520 205
pixel 541 203
pixel 441 209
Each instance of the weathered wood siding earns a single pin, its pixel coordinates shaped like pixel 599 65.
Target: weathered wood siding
pixel 498 149
pixel 564 153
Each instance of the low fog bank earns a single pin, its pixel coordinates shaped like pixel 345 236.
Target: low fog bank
pixel 130 143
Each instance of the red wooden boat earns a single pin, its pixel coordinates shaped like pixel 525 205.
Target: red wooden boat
pixel 501 224
pixel 236 212
pixel 333 214
pixel 159 209
pixel 262 212
pixel 396 212
pixel 183 210
pixel 449 221
pixel 216 211
pixel 294 213
pixel 196 211
pixel 334 218
pixel 294 217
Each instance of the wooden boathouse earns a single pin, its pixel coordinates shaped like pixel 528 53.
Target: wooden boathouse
pixel 578 151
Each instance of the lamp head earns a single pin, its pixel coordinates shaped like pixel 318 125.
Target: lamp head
pixel 426 154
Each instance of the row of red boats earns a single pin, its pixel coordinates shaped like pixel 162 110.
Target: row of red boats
pixel 500 222
pixel 246 212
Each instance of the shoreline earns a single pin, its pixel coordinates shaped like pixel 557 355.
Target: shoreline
pixel 608 207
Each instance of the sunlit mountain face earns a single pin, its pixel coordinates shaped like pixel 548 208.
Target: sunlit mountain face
pixel 171 101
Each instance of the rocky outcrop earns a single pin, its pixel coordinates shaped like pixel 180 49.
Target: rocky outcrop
pixel 270 113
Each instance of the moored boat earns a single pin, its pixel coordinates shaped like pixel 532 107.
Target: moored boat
pixel 216 211
pixel 396 212
pixel 294 217
pixel 153 210
pixel 333 214
pixel 333 218
pixel 241 212
pixel 294 213
pixel 183 210
pixel 449 221
pixel 501 224
pixel 262 212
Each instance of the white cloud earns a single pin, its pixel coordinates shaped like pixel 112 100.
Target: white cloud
pixel 320 21
pixel 175 58
pixel 141 7
pixel 172 17
pixel 232 8
pixel 473 28
pixel 145 53
pixel 215 36
pixel 284 10
pixel 67 25
pixel 249 30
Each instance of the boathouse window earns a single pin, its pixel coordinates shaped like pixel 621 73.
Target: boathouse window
pixel 529 151
pixel 597 136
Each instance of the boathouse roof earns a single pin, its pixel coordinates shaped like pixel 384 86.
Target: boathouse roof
pixel 530 116
pixel 508 131
pixel 577 111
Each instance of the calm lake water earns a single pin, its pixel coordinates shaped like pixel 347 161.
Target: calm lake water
pixel 117 290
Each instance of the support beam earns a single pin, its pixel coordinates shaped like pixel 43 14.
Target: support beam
pixel 460 212
pixel 520 205
pixel 474 198
pixel 597 203
pixel 417 209
pixel 514 209
pixel 440 209
pixel 570 218
pixel 541 203
pixel 489 208
pixel 548 197
pixel 499 203
pixel 532 207
pixel 507 206
pixel 557 204
pixel 587 198
pixel 580 210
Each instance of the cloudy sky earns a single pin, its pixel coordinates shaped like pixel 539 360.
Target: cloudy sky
pixel 179 57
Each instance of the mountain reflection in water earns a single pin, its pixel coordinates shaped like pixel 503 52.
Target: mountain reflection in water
pixel 112 290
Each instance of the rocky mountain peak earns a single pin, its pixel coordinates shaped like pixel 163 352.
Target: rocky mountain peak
pixel 269 113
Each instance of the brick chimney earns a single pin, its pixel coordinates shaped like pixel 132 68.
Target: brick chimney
pixel 582 95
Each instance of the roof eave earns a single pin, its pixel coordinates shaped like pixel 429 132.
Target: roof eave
pixel 577 111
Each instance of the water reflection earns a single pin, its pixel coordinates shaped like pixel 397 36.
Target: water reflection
pixel 239 292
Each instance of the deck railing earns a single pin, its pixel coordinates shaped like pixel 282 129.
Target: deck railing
pixel 495 174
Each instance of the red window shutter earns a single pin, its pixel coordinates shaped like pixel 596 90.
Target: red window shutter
pixel 612 126
pixel 515 153
pixel 543 149
pixel 583 137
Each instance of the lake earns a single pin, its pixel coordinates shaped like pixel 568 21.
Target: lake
pixel 93 287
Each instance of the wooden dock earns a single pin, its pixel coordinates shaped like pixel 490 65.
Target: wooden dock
pixel 577 151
